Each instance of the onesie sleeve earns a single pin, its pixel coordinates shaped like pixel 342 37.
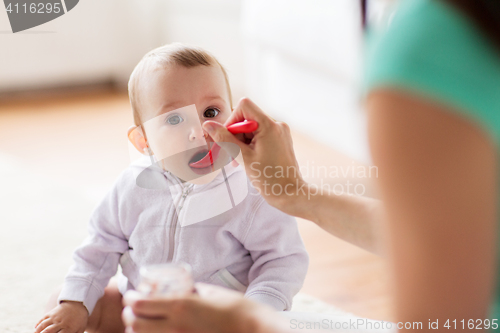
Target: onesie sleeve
pixel 279 256
pixel 96 260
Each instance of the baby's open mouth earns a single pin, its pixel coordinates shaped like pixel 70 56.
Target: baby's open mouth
pixel 205 158
pixel 198 156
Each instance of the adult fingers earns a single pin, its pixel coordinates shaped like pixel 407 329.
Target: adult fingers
pixel 128 315
pixel 160 308
pixel 151 307
pixel 220 134
pixel 136 323
pixel 203 289
pixel 144 325
pixel 247 110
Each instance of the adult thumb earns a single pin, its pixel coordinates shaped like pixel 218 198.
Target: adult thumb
pixel 220 134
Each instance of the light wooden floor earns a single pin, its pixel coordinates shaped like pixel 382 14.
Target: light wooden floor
pixel 82 139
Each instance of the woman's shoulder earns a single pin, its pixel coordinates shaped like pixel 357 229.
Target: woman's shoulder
pixel 433 49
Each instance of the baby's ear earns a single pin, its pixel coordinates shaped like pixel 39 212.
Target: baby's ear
pixel 136 137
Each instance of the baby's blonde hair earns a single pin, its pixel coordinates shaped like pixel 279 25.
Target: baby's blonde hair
pixel 163 56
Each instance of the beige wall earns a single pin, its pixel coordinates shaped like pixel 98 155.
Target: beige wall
pixel 101 40
pixel 300 60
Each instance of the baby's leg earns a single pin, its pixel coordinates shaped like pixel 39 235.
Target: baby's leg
pixel 106 317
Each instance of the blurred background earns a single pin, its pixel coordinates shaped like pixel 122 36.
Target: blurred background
pixel 64 113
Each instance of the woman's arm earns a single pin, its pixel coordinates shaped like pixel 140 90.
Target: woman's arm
pixel 351 218
pixel 355 219
pixel 438 180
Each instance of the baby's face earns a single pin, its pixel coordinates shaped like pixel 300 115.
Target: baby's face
pixel 174 104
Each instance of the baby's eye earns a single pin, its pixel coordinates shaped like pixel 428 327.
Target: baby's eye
pixel 210 113
pixel 174 120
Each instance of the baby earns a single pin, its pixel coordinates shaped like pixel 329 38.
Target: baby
pixel 179 204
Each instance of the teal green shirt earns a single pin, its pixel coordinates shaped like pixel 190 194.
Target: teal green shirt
pixel 434 50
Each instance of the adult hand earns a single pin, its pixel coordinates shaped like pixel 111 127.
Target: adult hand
pixel 269 157
pixel 212 309
pixel 271 165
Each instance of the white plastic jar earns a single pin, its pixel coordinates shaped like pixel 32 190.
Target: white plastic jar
pixel 166 280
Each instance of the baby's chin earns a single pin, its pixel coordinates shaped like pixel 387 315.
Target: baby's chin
pixel 205 179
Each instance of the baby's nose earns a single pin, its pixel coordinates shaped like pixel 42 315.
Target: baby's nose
pixel 196 134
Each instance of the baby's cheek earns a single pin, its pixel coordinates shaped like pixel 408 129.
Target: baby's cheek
pixel 170 145
pixel 223 117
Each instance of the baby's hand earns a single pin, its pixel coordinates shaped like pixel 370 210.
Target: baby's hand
pixel 67 317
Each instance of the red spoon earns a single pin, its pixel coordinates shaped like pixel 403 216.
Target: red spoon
pixel 247 126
